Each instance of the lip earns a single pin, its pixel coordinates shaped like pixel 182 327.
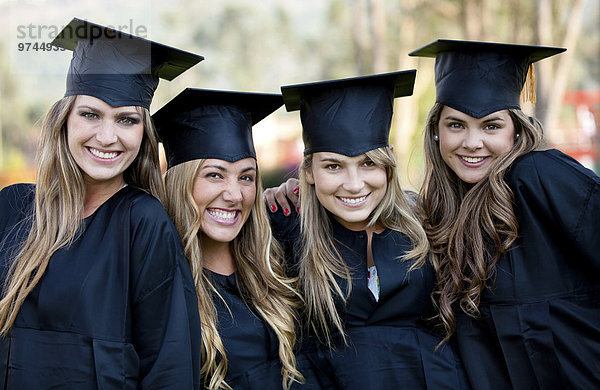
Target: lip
pixel 103 159
pixel 213 212
pixel 473 164
pixel 360 200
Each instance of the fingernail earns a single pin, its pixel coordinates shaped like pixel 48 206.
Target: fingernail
pixel 296 190
pixel 298 209
pixel 286 212
pixel 273 208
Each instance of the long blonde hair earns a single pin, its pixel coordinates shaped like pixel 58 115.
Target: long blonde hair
pixel 469 227
pixel 258 259
pixel 321 262
pixel 58 205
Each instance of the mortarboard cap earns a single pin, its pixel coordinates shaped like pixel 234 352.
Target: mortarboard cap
pixel 119 68
pixel 348 116
pixel 479 78
pixel 200 123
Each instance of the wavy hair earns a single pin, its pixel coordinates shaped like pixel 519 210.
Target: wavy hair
pixel 469 226
pixel 258 259
pixel 320 262
pixel 58 205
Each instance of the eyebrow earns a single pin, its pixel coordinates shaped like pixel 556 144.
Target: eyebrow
pixel 223 169
pixel 97 110
pixel 493 119
pixel 453 118
pixel 331 159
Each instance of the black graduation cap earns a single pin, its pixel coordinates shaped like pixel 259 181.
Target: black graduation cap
pixel 119 68
pixel 479 78
pixel 348 116
pixel 201 123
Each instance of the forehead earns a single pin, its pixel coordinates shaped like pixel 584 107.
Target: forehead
pixel 330 156
pixel 456 114
pixel 244 163
pixel 99 104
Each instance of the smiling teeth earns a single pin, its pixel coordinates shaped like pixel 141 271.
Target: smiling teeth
pixel 472 159
pixel 224 215
pixel 353 200
pixel 100 154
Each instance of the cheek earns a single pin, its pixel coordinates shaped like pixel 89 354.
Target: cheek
pixel 200 192
pixel 249 194
pixel 325 184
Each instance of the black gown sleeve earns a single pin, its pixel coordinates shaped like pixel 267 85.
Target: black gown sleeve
pixel 553 188
pixel 166 325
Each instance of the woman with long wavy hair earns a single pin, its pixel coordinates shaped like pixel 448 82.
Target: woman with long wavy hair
pixel 360 250
pixel 248 307
pixel 514 232
pixel 96 291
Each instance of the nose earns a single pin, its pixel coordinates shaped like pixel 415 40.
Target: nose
pixel 106 134
pixel 232 194
pixel 353 182
pixel 473 140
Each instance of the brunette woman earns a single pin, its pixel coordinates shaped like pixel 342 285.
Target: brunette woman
pixel 514 232
pixel 96 291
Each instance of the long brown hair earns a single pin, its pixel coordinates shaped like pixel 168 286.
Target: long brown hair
pixel 58 205
pixel 320 261
pixel 469 227
pixel 258 259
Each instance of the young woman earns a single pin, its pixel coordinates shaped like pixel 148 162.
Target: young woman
pixel 247 306
pixel 96 291
pixel 361 250
pixel 515 233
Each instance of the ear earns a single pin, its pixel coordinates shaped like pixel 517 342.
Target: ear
pixel 309 176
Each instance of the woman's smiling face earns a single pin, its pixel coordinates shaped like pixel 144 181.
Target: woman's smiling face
pixel 348 187
pixel 224 193
pixel 470 146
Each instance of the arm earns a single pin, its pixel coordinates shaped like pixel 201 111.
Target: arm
pixel 165 321
pixel 289 190
pixel 560 191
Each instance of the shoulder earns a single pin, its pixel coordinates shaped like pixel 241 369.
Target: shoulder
pixel 16 200
pixel 17 194
pixel 143 207
pixel 549 165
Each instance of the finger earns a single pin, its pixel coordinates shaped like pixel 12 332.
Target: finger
pixel 269 197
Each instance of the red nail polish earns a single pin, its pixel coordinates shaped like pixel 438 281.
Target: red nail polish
pixel 273 208
pixel 286 212
pixel 298 209
pixel 296 190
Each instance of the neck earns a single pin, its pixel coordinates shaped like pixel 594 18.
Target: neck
pixel 98 193
pixel 217 256
pixel 361 226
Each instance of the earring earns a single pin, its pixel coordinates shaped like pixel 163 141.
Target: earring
pixel 436 137
pixel 517 136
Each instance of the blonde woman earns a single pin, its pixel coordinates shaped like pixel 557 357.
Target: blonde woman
pixel 514 232
pixel 361 250
pixel 247 306
pixel 96 291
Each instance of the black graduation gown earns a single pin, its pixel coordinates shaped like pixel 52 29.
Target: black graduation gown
pixel 390 345
pixel 540 322
pixel 115 310
pixel 251 345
